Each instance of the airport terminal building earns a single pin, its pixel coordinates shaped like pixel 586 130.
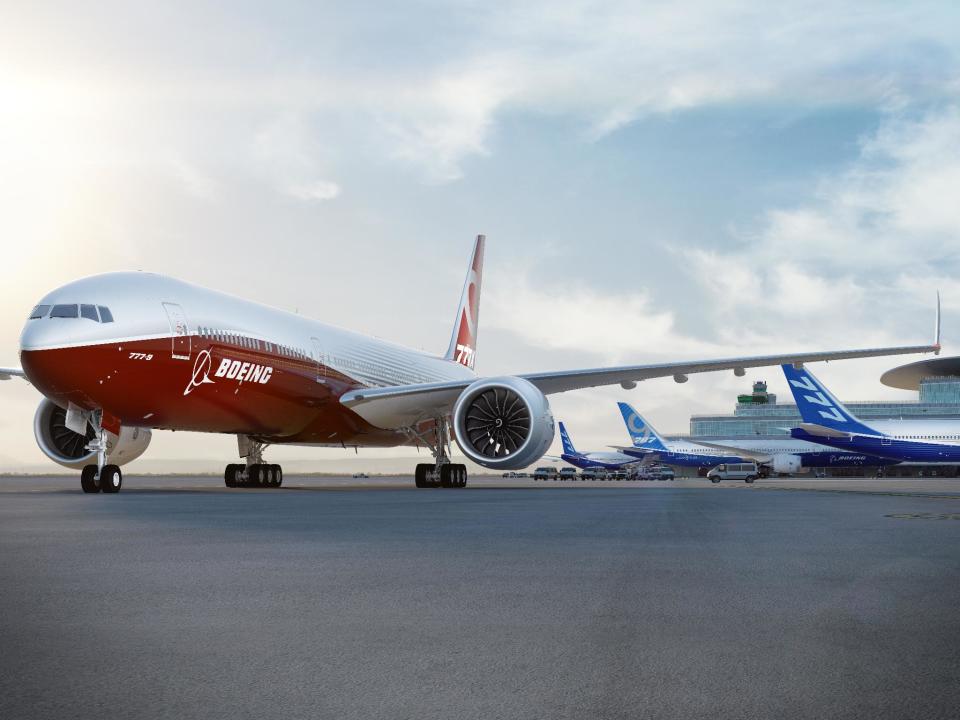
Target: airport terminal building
pixel 758 414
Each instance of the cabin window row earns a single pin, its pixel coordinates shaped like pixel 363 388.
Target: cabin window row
pixel 251 343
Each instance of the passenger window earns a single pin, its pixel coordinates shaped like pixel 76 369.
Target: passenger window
pixel 105 314
pixel 39 311
pixel 89 312
pixel 64 311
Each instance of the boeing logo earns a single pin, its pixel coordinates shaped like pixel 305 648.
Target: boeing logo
pixel 229 369
pixel 244 371
pixel 201 372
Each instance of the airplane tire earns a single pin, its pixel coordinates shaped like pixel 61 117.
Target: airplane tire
pixel 88 479
pixel 230 476
pixel 277 476
pixel 420 475
pixel 111 479
pixel 461 476
pixel 447 476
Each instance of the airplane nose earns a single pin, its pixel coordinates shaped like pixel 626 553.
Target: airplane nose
pixel 41 334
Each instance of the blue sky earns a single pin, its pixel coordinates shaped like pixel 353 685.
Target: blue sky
pixel 657 180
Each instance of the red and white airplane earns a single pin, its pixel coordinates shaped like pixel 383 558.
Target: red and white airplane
pixel 119 354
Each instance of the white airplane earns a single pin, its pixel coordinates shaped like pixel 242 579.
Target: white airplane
pixel 118 355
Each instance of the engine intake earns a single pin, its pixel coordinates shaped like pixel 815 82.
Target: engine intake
pixel 67 448
pixel 503 422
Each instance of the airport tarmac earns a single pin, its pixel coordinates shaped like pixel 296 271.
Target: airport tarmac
pixel 364 598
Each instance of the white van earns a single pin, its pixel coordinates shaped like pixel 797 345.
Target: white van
pixel 734 471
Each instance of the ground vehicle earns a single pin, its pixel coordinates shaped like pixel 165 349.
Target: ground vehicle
pixel 545 473
pixel 664 473
pixel 734 471
pixel 567 473
pixel 360 475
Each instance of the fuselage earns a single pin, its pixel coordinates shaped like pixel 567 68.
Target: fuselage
pixel 605 460
pixel 177 356
pixel 683 453
pixel 916 441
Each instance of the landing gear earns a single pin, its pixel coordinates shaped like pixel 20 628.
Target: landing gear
pixel 442 473
pixel 89 480
pixel 100 477
pixel 255 473
pixel 111 479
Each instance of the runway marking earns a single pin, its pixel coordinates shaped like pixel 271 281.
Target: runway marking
pixel 885 493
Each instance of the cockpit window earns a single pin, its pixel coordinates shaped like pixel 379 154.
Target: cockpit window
pixel 105 314
pixel 89 312
pixel 64 311
pixel 39 311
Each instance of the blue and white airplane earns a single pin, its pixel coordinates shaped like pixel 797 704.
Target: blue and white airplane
pixel 827 422
pixel 605 460
pixel 778 455
pixel 648 445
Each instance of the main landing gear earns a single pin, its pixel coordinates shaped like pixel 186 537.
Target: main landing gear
pixel 100 477
pixel 255 472
pixel 442 473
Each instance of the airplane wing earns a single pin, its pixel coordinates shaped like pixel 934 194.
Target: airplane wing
pixel 406 405
pixel 760 457
pixel 9 372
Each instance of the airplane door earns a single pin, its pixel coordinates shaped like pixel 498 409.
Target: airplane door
pixel 319 359
pixel 180 349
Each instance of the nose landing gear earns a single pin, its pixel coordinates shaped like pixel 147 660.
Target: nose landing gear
pixel 100 477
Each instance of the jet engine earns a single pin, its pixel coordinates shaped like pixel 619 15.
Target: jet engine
pixel 787 464
pixel 67 448
pixel 503 423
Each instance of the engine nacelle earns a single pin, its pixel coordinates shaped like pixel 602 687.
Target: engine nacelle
pixel 503 423
pixel 787 464
pixel 67 448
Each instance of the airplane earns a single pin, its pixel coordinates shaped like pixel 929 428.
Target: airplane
pixel 648 444
pixel 784 455
pixel 605 460
pixel 826 421
pixel 121 354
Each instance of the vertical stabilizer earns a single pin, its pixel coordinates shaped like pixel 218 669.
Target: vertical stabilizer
pixel 818 406
pixel 568 448
pixel 641 432
pixel 463 341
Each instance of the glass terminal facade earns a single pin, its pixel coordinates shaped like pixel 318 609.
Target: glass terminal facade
pixel 759 414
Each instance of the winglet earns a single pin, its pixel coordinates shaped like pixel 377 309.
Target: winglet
pixel 936 328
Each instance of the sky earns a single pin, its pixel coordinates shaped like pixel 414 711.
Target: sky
pixel 658 181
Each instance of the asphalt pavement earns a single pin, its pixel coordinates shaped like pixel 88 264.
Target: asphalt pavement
pixel 348 599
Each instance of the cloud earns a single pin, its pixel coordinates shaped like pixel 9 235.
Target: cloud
pixel 319 191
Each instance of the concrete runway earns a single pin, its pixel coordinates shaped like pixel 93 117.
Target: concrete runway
pixel 336 598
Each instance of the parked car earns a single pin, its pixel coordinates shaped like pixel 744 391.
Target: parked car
pixel 734 471
pixel 664 473
pixel 545 473
pixel 568 473
pixel 360 475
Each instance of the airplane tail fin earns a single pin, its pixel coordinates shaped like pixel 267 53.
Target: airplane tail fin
pixel 568 448
pixel 463 341
pixel 818 406
pixel 641 432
